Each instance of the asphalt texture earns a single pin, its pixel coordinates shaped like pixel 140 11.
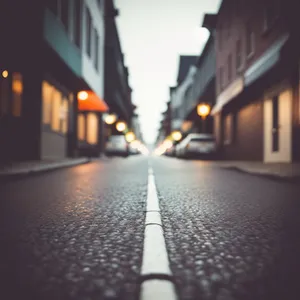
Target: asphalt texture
pixel 74 233
pixel 77 233
pixel 229 235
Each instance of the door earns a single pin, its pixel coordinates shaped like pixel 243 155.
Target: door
pixel 278 128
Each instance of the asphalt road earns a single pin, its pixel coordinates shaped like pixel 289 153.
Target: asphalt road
pixel 78 233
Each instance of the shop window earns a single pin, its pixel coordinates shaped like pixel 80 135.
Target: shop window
pixel 64 115
pixel 47 91
pixel 17 94
pixel 81 127
pixel 56 107
pixel 4 95
pixel 92 128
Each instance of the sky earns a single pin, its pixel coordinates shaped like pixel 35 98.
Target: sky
pixel 153 34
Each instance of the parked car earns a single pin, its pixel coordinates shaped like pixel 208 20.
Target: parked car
pixel 197 145
pixel 117 145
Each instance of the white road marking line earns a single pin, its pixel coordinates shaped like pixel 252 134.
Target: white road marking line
pixel 155 255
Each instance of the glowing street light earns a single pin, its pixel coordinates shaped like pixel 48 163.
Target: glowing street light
pixel 203 110
pixel 121 126
pixel 130 137
pixel 5 74
pixel 83 95
pixel 176 136
pixel 110 119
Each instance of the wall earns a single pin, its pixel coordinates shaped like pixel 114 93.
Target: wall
pixel 53 146
pixel 231 27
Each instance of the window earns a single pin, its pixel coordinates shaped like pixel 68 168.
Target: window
pixel 228 129
pixel 78 22
pixel 4 95
pixel 221 78
pixel 250 39
pixel 17 93
pixel 81 127
pixel 271 13
pixel 65 13
pixel 88 32
pixel 96 54
pixel 64 115
pixel 92 128
pixel 55 107
pixel 47 91
pixel 229 67
pixel 238 54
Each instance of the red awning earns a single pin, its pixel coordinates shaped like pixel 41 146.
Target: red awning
pixel 92 103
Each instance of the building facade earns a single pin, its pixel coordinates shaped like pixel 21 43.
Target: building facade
pixel 50 54
pixel 202 89
pixel 257 81
pixel 117 90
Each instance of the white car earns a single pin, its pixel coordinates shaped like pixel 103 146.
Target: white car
pixel 197 145
pixel 117 145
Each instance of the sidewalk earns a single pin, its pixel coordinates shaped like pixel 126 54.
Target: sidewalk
pixel 284 171
pixel 30 167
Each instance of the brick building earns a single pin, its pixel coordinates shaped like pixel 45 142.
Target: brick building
pixel 257 113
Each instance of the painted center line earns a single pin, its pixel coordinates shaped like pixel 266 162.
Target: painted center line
pixel 155 265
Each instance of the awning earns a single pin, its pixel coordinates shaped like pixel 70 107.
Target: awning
pixel 92 103
pixel 268 60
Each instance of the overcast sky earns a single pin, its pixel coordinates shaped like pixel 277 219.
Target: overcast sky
pixel 153 34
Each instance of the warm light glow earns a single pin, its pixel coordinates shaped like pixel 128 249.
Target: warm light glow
pixel 203 110
pixel 110 119
pixel 121 126
pixel 176 135
pixel 167 144
pixel 83 95
pixel 135 144
pixel 130 136
pixel 5 74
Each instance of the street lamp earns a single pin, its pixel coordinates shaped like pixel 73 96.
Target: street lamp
pixel 176 135
pixel 130 136
pixel 110 119
pixel 83 95
pixel 121 126
pixel 203 110
pixel 5 74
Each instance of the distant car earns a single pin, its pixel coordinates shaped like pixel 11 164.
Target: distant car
pixel 117 145
pixel 197 145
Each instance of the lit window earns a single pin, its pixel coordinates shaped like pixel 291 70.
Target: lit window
pixel 64 115
pixel 81 127
pixel 92 128
pixel 47 91
pixel 56 106
pixel 17 92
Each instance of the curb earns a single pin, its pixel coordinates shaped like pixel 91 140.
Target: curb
pixel 290 179
pixel 43 168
